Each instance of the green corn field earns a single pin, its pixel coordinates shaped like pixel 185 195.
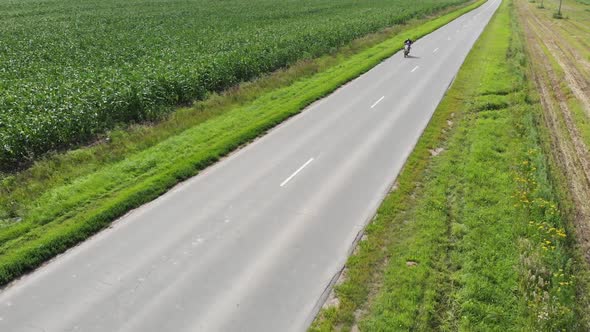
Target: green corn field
pixel 73 69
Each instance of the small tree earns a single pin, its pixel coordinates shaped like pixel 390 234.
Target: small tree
pixel 558 13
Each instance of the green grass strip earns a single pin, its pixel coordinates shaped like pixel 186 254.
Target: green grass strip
pixel 67 215
pixel 471 239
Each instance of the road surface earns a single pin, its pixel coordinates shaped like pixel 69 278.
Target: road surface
pixel 254 242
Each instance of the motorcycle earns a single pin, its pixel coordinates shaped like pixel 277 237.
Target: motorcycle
pixel 406 50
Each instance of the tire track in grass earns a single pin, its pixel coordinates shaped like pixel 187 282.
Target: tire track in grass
pixel 568 141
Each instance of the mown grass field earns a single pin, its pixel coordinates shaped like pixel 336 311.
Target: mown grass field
pixel 560 61
pixel 63 200
pixel 478 236
pixel 71 70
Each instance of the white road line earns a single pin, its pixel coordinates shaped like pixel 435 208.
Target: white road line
pixel 413 70
pixel 297 171
pixel 377 102
pixel 435 50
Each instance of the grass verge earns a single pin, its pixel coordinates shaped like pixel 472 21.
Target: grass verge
pixel 44 221
pixel 473 238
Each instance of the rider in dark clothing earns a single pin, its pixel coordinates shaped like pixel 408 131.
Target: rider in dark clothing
pixel 407 46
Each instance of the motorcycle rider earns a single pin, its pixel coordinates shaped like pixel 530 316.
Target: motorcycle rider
pixel 409 43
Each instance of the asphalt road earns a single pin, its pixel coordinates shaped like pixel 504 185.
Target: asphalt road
pixel 254 242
